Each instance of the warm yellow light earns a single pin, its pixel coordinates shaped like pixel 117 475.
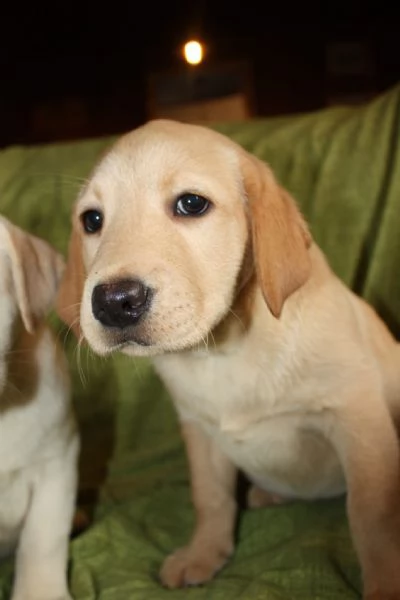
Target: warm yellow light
pixel 193 52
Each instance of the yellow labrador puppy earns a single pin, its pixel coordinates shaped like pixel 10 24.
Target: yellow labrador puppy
pixel 38 439
pixel 185 248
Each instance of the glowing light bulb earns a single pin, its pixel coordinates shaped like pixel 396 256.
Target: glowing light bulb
pixel 193 52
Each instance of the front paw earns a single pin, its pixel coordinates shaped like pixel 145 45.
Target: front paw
pixel 194 565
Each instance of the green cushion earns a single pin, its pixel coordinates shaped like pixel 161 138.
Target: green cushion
pixel 343 167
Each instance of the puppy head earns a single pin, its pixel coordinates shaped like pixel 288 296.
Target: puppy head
pixel 161 239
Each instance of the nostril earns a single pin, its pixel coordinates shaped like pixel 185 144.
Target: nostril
pixel 126 306
pixel 136 296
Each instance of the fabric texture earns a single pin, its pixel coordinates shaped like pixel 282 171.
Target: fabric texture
pixel 342 165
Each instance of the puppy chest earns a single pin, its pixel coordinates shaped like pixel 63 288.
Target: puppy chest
pixel 284 455
pixel 230 391
pixel 266 430
pixel 209 390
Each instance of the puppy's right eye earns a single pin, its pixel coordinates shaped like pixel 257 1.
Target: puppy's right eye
pixel 92 221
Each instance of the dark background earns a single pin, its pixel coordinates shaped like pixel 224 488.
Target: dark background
pixel 72 70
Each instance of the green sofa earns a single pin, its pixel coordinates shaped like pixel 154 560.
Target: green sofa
pixel 343 166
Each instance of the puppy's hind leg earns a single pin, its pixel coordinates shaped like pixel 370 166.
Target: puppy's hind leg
pixel 259 498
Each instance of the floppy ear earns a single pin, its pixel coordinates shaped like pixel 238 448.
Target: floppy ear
pixel 280 237
pixel 36 270
pixel 69 297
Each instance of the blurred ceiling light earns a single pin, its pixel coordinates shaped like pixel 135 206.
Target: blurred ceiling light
pixel 193 52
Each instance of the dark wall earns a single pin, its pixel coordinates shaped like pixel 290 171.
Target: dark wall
pixel 71 71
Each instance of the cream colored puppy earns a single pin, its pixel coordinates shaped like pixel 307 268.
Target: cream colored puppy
pixel 186 249
pixel 38 439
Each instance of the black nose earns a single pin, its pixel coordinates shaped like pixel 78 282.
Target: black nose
pixel 120 303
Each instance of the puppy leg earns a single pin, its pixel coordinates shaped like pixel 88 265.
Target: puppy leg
pixel 213 479
pixel 42 554
pixel 365 438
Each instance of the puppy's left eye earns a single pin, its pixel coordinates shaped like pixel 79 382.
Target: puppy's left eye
pixel 191 205
pixel 92 221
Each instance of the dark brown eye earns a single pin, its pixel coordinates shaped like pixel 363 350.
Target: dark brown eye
pixel 191 205
pixel 92 221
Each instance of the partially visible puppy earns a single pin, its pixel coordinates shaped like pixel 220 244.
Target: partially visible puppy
pixel 38 440
pixel 185 248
